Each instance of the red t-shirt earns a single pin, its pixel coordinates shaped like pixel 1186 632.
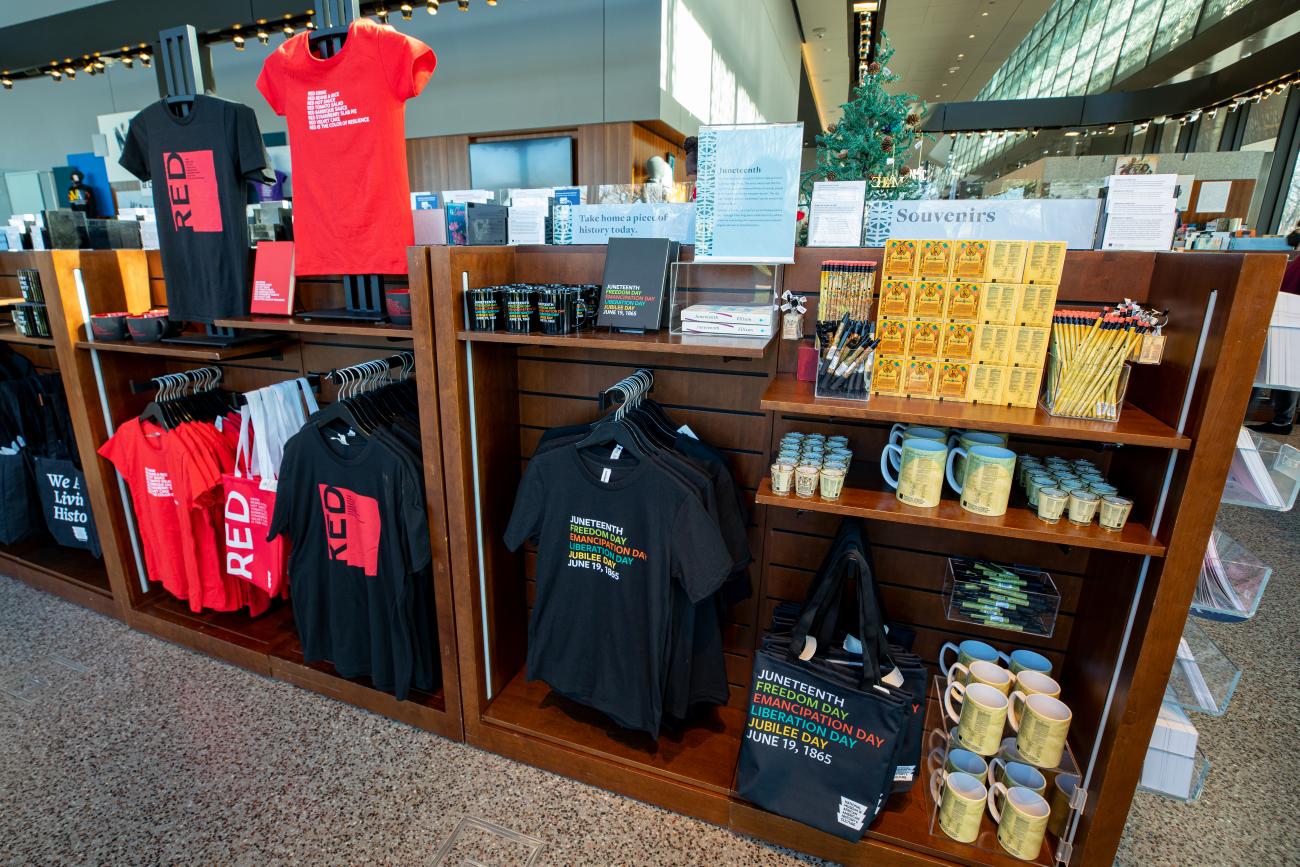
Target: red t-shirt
pixel 347 139
pixel 140 455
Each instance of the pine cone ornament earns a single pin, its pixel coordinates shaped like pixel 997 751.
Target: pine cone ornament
pixel 912 119
pixel 831 128
pixel 873 68
pixel 886 144
pixel 904 171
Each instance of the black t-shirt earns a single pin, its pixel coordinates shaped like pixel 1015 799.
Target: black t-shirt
pixel 200 165
pixel 355 518
pixel 612 539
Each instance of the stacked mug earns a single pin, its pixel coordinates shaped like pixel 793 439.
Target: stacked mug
pixel 1074 489
pixel 807 462
pixel 976 464
pixel 1018 779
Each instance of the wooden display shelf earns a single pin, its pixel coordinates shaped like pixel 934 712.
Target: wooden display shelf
pixel 1134 427
pixel 70 573
pixel 655 341
pixel 187 352
pixel 11 335
pixel 302 323
pixel 1017 523
pixel 702 753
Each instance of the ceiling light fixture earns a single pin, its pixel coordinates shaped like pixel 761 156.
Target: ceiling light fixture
pixel 7 82
pixel 491 2
pixel 262 36
pixel 239 42
pixel 431 6
pixel 972 36
pixel 287 29
pixel 145 58
pixel 407 11
pixel 56 74
pixel 463 4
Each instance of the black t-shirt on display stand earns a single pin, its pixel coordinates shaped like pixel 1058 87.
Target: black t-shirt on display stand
pixel 200 165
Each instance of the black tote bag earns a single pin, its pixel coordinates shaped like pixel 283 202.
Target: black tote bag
pixel 822 738
pixel 18 501
pixel 65 504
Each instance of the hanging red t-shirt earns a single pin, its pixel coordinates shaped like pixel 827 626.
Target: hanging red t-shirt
pixel 347 139
pixel 140 455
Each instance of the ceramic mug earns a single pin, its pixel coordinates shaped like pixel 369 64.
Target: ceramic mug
pixel 986 486
pixel 920 466
pixel 971 438
pixel 1041 723
pixel 900 433
pixel 1036 683
pixel 1013 773
pixel 982 717
pixel 1021 815
pixel 958 760
pixel 961 799
pixel 1026 660
pixel 1061 795
pixel 979 671
pixel 967 652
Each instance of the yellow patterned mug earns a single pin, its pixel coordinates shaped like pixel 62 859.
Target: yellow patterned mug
pixel 1041 723
pixel 968 440
pixel 986 484
pixel 987 673
pixel 982 717
pixel 961 799
pixel 920 470
pixel 1021 815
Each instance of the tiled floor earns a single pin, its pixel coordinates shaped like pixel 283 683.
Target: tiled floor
pixel 117 748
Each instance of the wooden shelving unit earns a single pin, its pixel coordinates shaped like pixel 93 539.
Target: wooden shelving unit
pixel 1018 523
pixel 1135 427
pixel 502 389
pixel 304 324
pixel 655 341
pixel 11 335
pixel 188 352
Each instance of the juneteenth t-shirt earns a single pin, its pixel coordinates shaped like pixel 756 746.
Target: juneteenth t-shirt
pixel 199 165
pixel 347 140
pixel 612 537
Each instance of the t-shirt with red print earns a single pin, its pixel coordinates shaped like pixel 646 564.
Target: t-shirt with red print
pixel 200 165
pixel 347 139
pixel 139 453
pixel 353 511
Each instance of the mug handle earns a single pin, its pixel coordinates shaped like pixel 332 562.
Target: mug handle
pixel 934 761
pixel 965 672
pixel 896 431
pixel 938 740
pixel 947 646
pixel 955 688
pixel 953 440
pixel 936 785
pixel 885 463
pixel 1013 715
pixel 947 470
pixel 992 800
pixel 1006 659
pixel 993 766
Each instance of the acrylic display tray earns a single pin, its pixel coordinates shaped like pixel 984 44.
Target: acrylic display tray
pixel 1200 771
pixel 935 750
pixel 1203 679
pixel 1265 473
pixel 967 601
pixel 1232 581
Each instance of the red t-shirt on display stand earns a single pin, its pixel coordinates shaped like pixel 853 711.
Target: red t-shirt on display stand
pixel 347 139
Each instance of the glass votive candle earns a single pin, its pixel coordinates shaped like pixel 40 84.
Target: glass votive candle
pixel 1103 489
pixel 1051 504
pixel 832 482
pixel 838 440
pixel 782 477
pixel 1114 512
pixel 805 480
pixel 1029 469
pixel 1069 485
pixel 1036 485
pixel 1083 506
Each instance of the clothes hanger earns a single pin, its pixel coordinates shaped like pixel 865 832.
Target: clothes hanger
pixel 340 411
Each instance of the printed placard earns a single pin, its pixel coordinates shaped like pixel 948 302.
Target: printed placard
pixel 987 383
pixel 893 336
pixel 935 260
pixel 1007 261
pixel 922 377
pixel 901 257
pixel 954 380
pixel 887 377
pixel 924 338
pixel 959 341
pixel 971 261
pixel 896 298
pixel 999 303
pixel 928 299
pixel 963 300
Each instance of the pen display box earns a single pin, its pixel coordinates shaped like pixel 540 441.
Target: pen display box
pixel 1084 388
pixel 999 596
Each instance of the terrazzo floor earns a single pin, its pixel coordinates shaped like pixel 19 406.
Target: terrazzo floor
pixel 118 748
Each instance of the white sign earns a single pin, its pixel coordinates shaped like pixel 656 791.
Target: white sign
pixel 747 192
pixel 596 224
pixel 1073 221
pixel 481 197
pixel 114 128
pixel 527 225
pixel 836 219
pixel 1141 212
pixel 1213 197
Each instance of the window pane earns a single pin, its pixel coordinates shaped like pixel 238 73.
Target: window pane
pixel 1207 138
pixel 1263 121
pixel 1291 210
pixel 1137 41
pixel 1108 50
pixel 1177 24
pixel 1088 41
pixel 1217 10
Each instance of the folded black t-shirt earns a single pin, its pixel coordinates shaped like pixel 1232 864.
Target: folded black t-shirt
pixel 612 538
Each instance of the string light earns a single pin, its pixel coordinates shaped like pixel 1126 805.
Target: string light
pixel 145 58
pixel 239 42
pixel 463 4
pixel 491 2
pixel 431 6
pixel 407 11
pixel 287 29
pixel 6 81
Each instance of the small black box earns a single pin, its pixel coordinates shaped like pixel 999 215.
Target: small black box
pixel 486 225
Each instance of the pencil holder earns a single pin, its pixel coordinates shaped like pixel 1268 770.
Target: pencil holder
pixel 1089 388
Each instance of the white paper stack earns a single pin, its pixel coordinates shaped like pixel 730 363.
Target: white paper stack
pixel 1141 212
pixel 740 320
pixel 1171 759
pixel 1249 478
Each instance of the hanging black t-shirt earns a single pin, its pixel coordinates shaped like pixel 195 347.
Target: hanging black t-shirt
pixel 612 538
pixel 200 165
pixel 355 518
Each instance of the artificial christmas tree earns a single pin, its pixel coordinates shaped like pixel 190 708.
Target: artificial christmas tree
pixel 872 137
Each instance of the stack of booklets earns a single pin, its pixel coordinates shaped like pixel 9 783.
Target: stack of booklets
pixel 738 320
pixel 1171 759
pixel 1249 479
pixel 1279 366
pixel 1231 579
